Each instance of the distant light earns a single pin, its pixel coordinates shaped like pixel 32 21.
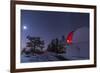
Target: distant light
pixel 24 27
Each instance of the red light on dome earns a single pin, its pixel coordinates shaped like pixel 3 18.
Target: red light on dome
pixel 69 41
pixel 69 38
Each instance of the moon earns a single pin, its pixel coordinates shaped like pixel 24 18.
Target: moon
pixel 24 27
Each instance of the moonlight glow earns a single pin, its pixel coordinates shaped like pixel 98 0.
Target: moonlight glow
pixel 24 27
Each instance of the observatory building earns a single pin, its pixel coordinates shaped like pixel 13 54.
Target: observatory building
pixel 78 44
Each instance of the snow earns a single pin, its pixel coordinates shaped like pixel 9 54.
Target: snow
pixel 50 56
pixel 39 58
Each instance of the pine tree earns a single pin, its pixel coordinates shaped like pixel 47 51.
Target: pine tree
pixel 33 43
pixel 57 46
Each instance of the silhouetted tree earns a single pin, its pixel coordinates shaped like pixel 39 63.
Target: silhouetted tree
pixel 33 43
pixel 57 46
pixel 41 45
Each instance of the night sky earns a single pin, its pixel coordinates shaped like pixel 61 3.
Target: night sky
pixel 50 25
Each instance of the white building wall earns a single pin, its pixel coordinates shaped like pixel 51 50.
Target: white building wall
pixel 79 49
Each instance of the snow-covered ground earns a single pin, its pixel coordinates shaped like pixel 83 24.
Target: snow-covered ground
pixel 48 56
